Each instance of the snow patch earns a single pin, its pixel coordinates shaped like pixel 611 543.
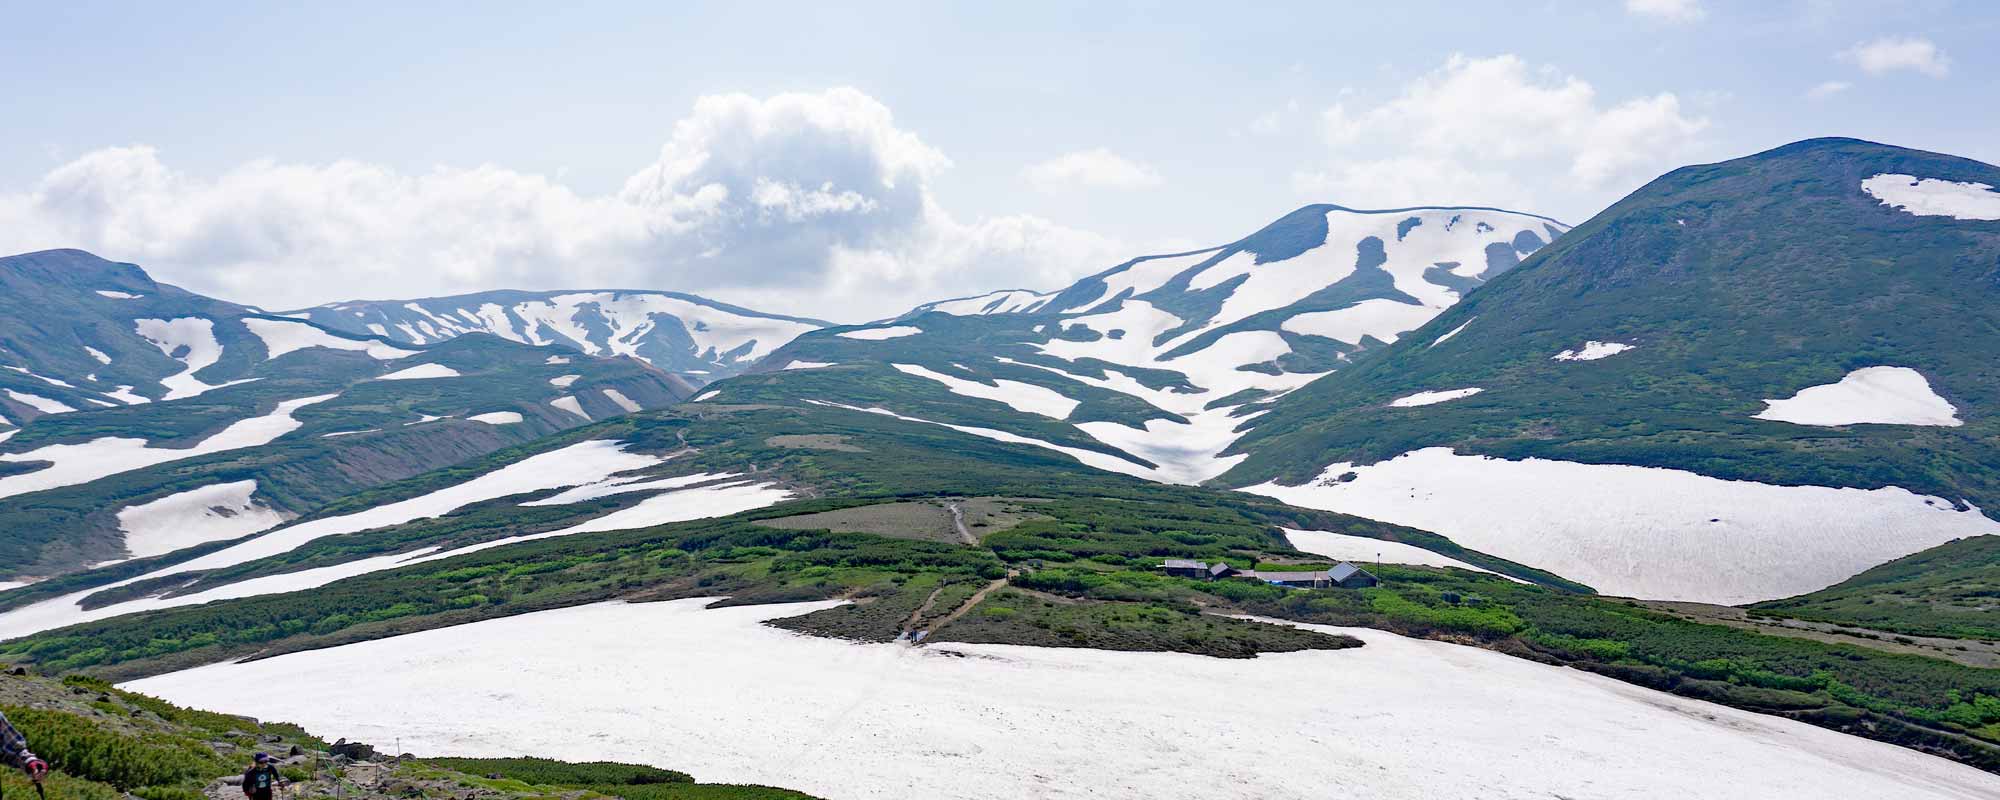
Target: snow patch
pixel 497 417
pixel 810 364
pixel 570 404
pixel 419 372
pixel 556 360
pixel 1379 319
pixel 1592 351
pixel 81 463
pixel 97 354
pixel 1433 398
pixel 1397 719
pixel 209 514
pixel 1023 397
pixel 707 396
pixel 1453 332
pixel 1934 197
pixel 1871 395
pixel 563 381
pixel 40 403
pixel 1361 549
pixel 117 295
pixel 623 402
pixel 878 334
pixel 125 395
pixel 1643 531
pixel 283 336
pixel 197 336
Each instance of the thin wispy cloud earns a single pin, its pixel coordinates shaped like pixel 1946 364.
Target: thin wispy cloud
pixel 1828 89
pixel 1899 53
pixel 1096 168
pixel 1677 11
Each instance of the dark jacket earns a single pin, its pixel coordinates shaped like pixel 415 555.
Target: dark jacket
pixel 261 779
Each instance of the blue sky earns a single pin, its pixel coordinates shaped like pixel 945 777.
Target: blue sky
pixel 848 162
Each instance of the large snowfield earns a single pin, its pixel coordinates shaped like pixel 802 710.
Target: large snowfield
pixel 717 694
pixel 1642 531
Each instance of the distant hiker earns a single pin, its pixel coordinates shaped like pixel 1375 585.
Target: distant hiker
pixel 14 751
pixel 262 779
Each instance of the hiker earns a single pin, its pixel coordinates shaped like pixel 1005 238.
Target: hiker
pixel 263 778
pixel 14 751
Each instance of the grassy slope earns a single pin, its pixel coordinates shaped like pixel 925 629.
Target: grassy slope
pixel 104 743
pixel 1952 590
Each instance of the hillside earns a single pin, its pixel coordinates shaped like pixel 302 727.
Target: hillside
pixel 681 333
pixel 105 743
pixel 1149 367
pixel 142 419
pixel 1948 591
pixel 1746 380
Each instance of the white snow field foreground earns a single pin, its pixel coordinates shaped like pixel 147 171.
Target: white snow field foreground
pixel 71 464
pixel 1934 197
pixel 589 469
pixel 1879 395
pixel 1647 532
pixel 715 693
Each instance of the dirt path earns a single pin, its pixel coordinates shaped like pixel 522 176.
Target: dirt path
pixel 910 625
pixel 958 522
pixel 1970 652
pixel 967 605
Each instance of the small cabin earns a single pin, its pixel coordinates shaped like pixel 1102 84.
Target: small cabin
pixel 1183 568
pixel 1348 576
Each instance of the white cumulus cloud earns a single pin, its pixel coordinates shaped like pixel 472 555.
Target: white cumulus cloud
pixel 1893 53
pixel 1668 10
pixel 808 203
pixel 1097 168
pixel 1488 131
pixel 1828 89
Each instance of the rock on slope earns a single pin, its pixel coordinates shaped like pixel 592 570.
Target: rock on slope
pixel 1664 391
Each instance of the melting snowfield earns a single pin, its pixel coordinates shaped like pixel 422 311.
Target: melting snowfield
pixel 72 464
pixel 1879 395
pixel 208 514
pixel 590 467
pixel 719 695
pixel 1646 532
pixel 1934 197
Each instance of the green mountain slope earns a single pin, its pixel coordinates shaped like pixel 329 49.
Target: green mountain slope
pixel 1726 286
pixel 1951 590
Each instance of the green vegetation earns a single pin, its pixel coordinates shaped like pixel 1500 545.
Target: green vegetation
pixel 1952 590
pixel 1736 282
pixel 611 779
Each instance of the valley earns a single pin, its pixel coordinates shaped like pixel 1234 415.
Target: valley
pixel 959 516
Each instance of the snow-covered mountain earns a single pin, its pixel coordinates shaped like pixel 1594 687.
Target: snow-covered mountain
pixel 1746 380
pixel 1151 367
pixel 676 332
pixel 134 412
